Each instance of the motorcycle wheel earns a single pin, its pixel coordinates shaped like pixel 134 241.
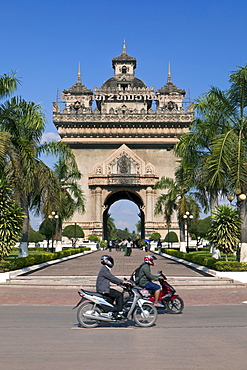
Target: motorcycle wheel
pixel 175 306
pixel 88 307
pixel 146 315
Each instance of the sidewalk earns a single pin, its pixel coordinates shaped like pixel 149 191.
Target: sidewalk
pixel 124 266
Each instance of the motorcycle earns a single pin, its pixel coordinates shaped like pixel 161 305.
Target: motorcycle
pixel 170 301
pixel 94 308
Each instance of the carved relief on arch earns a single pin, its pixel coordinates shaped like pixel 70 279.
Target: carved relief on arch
pixel 97 170
pixel 150 169
pixel 122 162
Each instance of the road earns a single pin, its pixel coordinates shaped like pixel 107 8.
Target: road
pixel 48 337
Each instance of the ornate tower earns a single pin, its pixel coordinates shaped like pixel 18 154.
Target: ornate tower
pixel 122 145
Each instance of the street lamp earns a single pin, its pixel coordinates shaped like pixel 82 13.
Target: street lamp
pixel 53 217
pixel 168 234
pixel 188 216
pixel 240 198
pixel 75 235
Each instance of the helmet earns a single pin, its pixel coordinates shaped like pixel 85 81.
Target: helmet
pixel 150 260
pixel 107 260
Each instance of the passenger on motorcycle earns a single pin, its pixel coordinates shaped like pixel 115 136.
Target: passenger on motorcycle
pixel 105 277
pixel 145 278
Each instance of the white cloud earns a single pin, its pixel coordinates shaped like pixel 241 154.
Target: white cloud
pixel 128 212
pixel 50 136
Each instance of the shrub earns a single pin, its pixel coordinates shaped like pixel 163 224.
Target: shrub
pixel 171 237
pixel 94 238
pixel 155 236
pixel 103 244
pixel 21 262
pixel 230 266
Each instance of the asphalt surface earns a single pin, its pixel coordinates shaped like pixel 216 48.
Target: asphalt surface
pixel 48 337
pixel 90 264
pixel 39 329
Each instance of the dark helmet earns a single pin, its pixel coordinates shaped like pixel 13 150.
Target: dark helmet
pixel 150 260
pixel 107 260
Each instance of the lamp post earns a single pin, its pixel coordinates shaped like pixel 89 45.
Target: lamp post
pixel 240 198
pixel 75 235
pixel 53 217
pixel 188 216
pixel 168 235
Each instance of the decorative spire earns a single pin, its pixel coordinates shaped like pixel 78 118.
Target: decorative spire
pixel 169 79
pixel 124 47
pixel 79 73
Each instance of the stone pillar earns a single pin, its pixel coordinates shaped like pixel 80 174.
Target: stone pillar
pixel 98 204
pixel 149 204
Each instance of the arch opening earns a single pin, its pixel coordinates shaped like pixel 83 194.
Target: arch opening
pixel 134 200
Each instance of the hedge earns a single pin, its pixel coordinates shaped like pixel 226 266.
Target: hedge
pixel 21 262
pixel 209 262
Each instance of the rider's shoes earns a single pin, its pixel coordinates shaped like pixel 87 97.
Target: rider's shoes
pixel 158 305
pixel 119 315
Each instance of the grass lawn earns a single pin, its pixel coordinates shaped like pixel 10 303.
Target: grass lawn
pixel 206 253
pixel 31 252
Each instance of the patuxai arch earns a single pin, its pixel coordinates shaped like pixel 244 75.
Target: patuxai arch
pixel 122 135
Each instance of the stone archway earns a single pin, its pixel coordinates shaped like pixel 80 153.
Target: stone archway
pixel 120 143
pixel 119 195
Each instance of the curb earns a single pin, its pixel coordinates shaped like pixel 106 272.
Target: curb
pixel 237 276
pixel 11 274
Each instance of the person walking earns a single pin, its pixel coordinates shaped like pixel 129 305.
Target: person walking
pixel 129 245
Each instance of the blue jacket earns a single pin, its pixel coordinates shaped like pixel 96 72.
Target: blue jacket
pixel 104 279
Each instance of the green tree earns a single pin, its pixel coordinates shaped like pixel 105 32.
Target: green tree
pixel 45 229
pixel 155 236
pixel 123 234
pixel 73 232
pixel 111 229
pixel 11 219
pixel 171 237
pixel 8 84
pixel 199 229
pixel 35 185
pixel 223 164
pixel 139 226
pixel 34 236
pixel 225 229
pixel 177 200
pixel 24 123
pixel 70 197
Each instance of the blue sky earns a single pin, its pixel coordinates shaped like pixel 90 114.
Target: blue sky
pixel 44 41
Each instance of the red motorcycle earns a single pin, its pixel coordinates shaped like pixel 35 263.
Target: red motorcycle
pixel 171 301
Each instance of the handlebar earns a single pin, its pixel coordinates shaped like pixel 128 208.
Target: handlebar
pixel 160 273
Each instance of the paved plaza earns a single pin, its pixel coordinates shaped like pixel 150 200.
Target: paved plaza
pixel 90 264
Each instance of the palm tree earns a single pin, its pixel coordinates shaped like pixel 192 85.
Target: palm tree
pixel 225 229
pixel 35 185
pixel 176 199
pixel 223 157
pixel 11 219
pixel 195 149
pixel 111 228
pixel 8 84
pixel 69 197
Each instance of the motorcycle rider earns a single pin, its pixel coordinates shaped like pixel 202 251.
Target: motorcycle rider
pixel 104 278
pixel 145 278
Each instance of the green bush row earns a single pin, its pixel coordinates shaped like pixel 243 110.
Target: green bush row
pixel 209 262
pixel 21 262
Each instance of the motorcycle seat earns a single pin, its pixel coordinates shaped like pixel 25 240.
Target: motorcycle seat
pixel 94 293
